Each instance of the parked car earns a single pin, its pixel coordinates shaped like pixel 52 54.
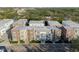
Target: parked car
pixel 3 49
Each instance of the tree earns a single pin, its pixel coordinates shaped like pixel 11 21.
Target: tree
pixel 75 44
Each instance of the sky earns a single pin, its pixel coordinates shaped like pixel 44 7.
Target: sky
pixel 39 3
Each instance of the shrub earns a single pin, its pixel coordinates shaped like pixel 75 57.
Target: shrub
pixel 35 41
pixel 75 44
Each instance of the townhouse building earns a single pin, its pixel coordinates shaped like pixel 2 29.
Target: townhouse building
pixel 22 33
pixel 41 34
pixel 67 33
pixel 73 25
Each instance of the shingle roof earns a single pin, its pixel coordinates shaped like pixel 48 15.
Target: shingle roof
pixel 4 21
pixel 20 21
pixel 54 23
pixel 38 22
pixel 24 28
pixel 53 28
pixel 70 23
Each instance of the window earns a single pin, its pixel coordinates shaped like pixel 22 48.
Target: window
pixel 49 36
pixel 43 36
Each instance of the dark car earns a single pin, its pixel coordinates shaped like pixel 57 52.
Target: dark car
pixel 3 49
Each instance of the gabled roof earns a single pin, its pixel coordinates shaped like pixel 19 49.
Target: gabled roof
pixel 4 21
pixel 55 23
pixel 36 22
pixel 70 23
pixel 24 28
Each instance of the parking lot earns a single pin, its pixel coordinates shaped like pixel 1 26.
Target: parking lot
pixel 58 47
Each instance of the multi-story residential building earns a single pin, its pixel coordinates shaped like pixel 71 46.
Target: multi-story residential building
pixel 37 31
pixel 5 25
pixel 43 34
pixel 20 22
pixel 74 25
pixel 54 23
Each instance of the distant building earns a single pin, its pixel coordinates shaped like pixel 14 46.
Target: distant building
pixel 48 18
pixel 20 11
